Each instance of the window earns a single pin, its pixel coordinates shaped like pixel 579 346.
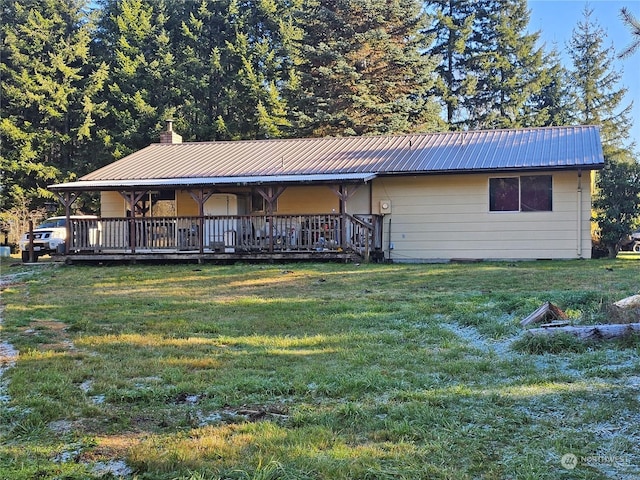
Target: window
pixel 535 193
pixel 504 194
pixel 531 193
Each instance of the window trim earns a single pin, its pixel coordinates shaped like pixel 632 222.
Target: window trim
pixel 519 177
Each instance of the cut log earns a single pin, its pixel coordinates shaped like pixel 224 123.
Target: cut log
pixel 626 310
pixel 630 302
pixel 547 311
pixel 591 332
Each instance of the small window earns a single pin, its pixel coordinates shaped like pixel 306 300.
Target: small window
pixel 531 193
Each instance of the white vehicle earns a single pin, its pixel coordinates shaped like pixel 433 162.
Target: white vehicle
pixel 635 237
pixel 48 237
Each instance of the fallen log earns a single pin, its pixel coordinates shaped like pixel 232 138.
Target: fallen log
pixel 591 332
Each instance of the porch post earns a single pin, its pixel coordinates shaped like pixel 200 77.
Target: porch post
pixel 201 200
pixel 270 195
pixel 343 210
pixel 67 200
pixel 343 193
pixel 132 221
pixel 132 198
pixel 201 197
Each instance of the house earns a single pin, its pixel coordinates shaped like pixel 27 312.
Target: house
pixel 495 194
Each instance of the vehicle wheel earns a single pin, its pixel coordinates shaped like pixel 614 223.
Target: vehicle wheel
pixel 25 257
pixel 636 247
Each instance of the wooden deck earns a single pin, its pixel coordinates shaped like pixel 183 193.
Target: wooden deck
pixel 318 237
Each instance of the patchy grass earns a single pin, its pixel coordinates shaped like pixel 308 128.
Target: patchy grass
pixel 314 372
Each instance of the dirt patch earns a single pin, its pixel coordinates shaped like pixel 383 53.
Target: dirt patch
pixel 103 459
pixel 110 447
pixel 54 334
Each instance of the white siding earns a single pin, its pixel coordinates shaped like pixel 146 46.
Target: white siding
pixel 445 217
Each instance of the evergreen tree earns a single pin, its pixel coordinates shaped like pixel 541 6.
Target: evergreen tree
pixel 617 203
pixel 598 101
pixel 634 25
pixel 361 71
pixel 503 62
pixel 49 85
pixel 233 62
pixel 553 105
pixel 451 26
pixel 133 41
pixel 594 82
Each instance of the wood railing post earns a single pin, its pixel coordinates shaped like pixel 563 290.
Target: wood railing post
pixel 366 247
pixel 30 241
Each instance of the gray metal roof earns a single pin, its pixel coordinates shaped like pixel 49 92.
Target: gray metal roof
pixel 264 161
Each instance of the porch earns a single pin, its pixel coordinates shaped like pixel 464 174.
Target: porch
pixel 279 237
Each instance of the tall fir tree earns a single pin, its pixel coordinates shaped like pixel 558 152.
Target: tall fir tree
pixel 504 63
pixel 361 71
pixel 49 88
pixel 599 101
pixel 595 85
pixel 451 26
pixel 134 42
pixel 233 62
pixel 553 104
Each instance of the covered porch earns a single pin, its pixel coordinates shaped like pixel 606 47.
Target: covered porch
pixel 226 237
pixel 275 218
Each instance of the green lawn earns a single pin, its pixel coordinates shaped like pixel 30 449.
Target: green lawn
pixel 314 371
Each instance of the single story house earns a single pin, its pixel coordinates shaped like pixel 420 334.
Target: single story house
pixel 495 194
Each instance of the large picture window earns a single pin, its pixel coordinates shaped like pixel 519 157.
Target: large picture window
pixel 528 193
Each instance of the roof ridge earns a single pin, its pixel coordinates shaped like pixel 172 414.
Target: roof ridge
pixel 392 135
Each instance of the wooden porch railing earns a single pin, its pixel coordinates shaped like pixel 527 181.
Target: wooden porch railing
pixel 229 234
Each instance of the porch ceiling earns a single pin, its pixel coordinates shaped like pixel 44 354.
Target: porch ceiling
pixel 181 183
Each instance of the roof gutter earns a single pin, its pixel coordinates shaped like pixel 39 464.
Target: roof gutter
pixel 511 170
pixel 181 183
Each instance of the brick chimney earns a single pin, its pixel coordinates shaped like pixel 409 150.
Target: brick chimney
pixel 169 136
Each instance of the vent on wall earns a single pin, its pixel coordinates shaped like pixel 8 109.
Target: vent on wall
pixel 385 206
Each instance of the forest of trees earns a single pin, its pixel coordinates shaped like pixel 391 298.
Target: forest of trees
pixel 85 83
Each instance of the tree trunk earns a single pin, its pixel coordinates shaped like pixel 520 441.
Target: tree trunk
pixel 592 332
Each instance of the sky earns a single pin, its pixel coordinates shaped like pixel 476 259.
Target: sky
pixel 556 20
